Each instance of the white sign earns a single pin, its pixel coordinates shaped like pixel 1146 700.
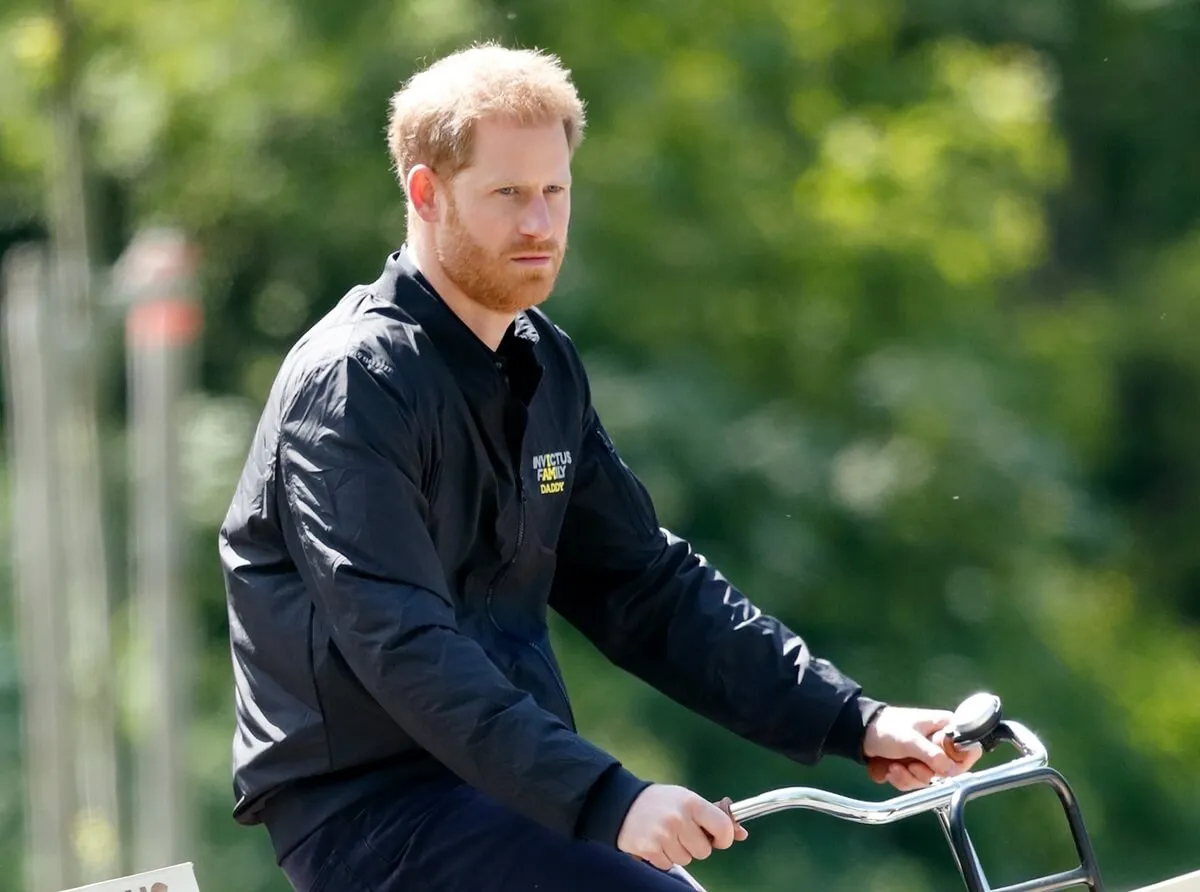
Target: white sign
pixel 1186 883
pixel 178 878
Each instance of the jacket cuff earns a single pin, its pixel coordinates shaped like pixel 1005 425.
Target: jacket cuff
pixel 845 738
pixel 607 803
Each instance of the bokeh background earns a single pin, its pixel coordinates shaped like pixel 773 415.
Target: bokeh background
pixel 894 305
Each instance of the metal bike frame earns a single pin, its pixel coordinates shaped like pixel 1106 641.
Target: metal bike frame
pixel 948 799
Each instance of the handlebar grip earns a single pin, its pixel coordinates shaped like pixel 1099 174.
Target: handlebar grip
pixel 726 805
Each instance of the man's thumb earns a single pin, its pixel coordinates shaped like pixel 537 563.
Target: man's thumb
pixel 935 757
pixel 935 722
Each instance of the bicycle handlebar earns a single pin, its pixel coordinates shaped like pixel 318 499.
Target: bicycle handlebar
pixel 939 793
pixel 976 721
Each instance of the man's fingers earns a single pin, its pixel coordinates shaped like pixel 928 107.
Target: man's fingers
pixel 668 825
pixel 965 756
pixel 696 841
pixel 934 756
pixel 900 777
pixel 676 854
pixel 716 822
pixel 921 772
pixel 917 771
pixel 660 860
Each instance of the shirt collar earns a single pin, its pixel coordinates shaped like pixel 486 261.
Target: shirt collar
pixel 469 358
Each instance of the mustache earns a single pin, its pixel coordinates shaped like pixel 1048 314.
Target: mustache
pixel 537 247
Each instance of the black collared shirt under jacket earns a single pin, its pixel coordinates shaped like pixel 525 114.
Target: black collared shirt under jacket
pixel 411 504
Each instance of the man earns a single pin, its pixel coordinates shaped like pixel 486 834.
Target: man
pixel 429 475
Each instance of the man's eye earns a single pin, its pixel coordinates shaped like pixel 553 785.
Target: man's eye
pixel 507 190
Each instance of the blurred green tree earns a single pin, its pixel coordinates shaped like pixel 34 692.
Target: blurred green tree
pixel 889 304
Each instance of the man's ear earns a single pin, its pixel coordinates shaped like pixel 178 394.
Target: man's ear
pixel 422 188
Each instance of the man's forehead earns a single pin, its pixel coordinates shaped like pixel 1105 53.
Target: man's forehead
pixel 506 148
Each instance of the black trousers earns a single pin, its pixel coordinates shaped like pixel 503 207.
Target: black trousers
pixel 451 838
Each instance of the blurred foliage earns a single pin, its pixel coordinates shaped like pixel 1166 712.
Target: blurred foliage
pixel 892 305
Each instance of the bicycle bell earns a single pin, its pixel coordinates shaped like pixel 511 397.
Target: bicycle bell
pixel 976 720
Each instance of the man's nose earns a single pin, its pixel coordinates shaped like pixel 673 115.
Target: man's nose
pixel 535 219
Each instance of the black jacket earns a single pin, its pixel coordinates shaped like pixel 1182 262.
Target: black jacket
pixel 411 504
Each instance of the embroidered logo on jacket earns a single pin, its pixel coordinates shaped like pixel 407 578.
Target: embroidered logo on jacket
pixel 550 469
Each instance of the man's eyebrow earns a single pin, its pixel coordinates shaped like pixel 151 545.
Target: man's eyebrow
pixel 518 181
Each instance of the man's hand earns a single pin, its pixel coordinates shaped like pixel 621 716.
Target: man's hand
pixel 669 825
pixel 907 747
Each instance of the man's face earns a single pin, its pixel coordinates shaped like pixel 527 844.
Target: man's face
pixel 504 232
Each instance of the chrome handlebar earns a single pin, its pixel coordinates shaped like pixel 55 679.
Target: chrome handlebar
pixel 938 794
pixel 977 720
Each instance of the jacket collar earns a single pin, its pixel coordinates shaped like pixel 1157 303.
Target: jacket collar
pixel 471 360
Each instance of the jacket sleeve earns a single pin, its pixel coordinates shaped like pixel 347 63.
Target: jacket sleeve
pixel 659 610
pixel 349 461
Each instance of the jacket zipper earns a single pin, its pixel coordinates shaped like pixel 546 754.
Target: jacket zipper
pixel 503 571
pixel 562 690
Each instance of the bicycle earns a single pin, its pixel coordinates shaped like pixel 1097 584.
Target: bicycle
pixel 978 720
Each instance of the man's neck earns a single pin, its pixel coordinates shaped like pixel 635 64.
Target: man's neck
pixel 488 325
